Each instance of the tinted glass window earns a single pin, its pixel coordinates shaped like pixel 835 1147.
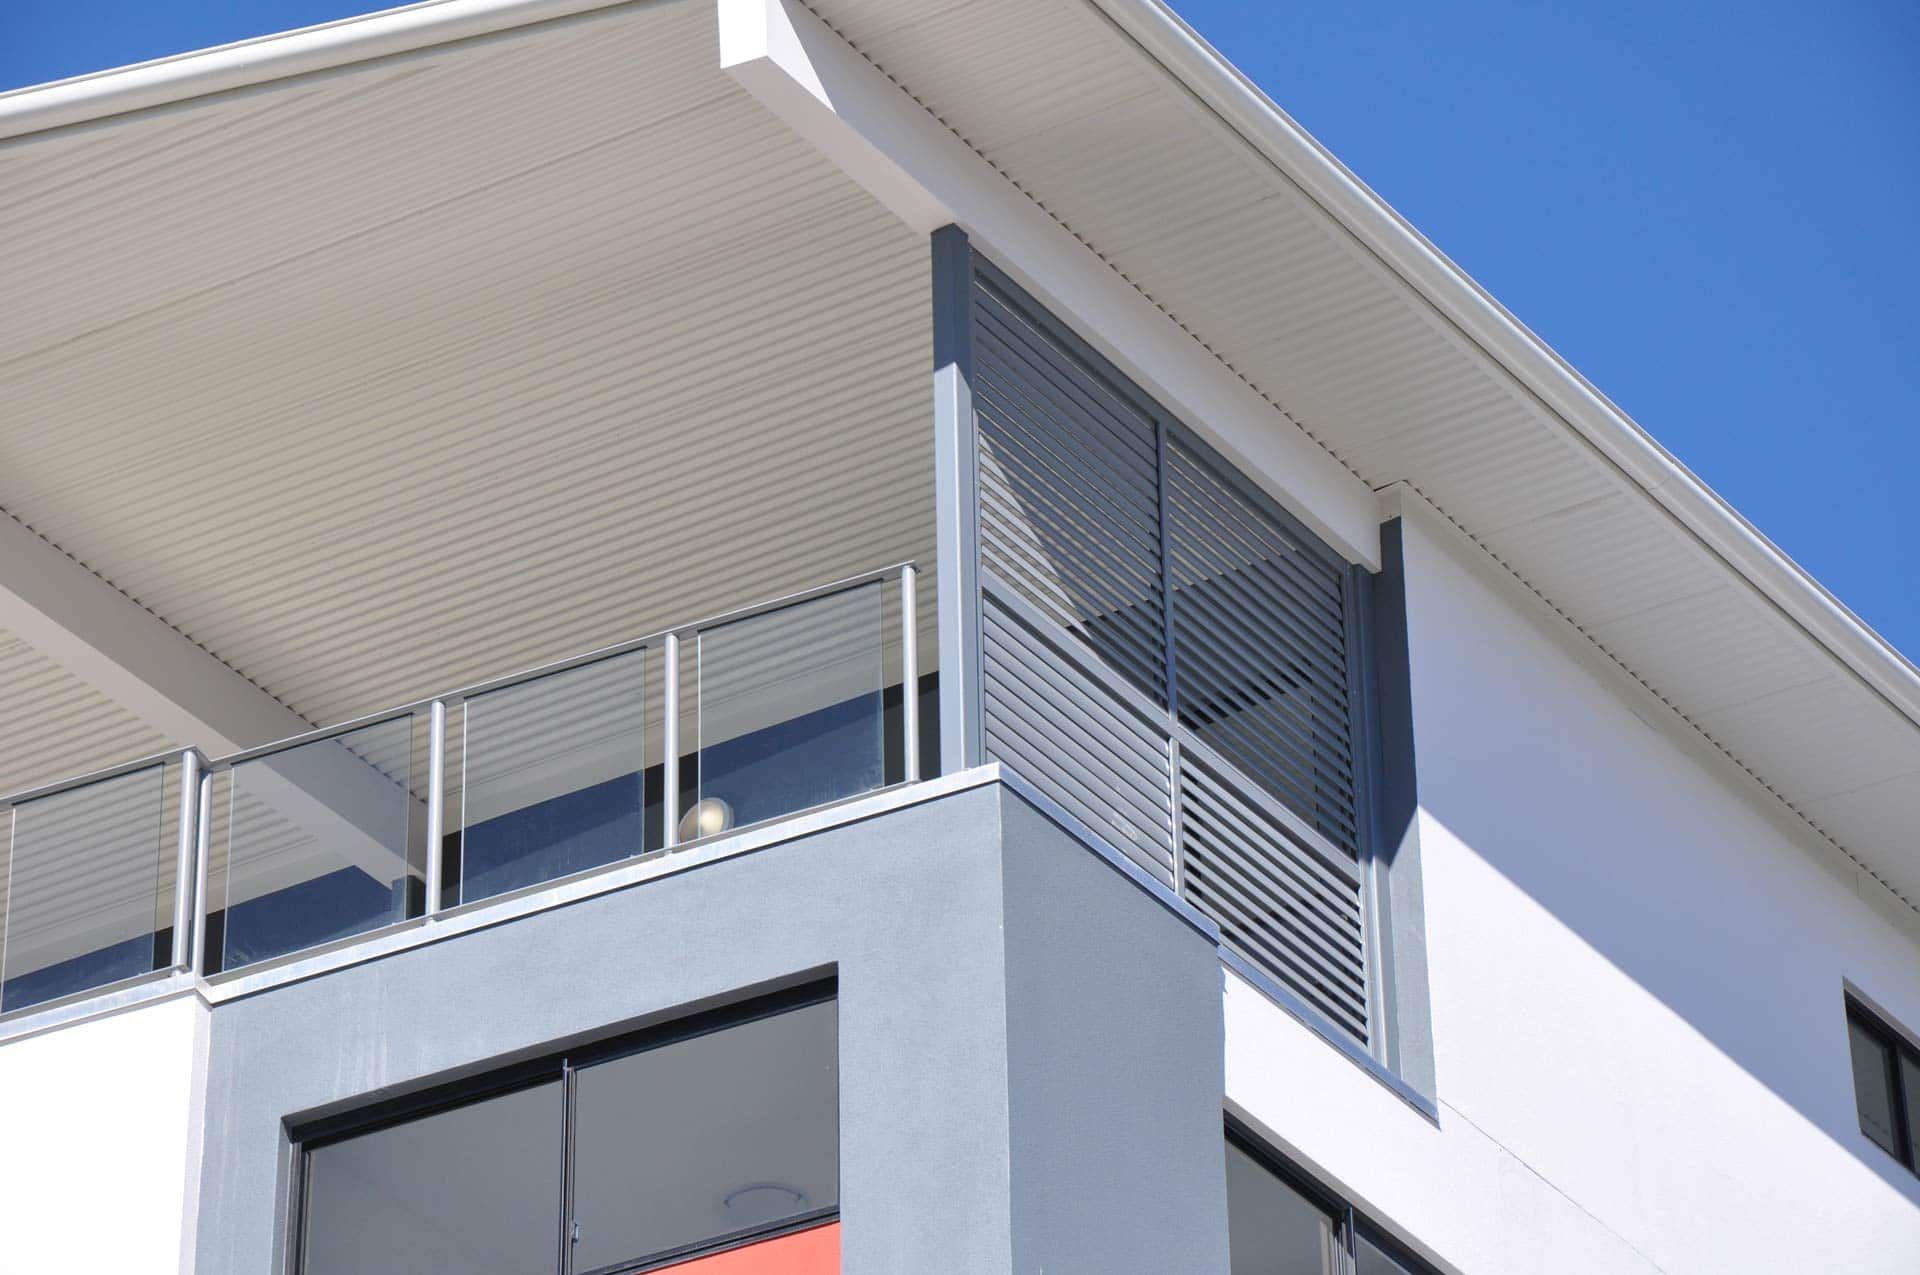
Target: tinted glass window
pixel 1271 1228
pixel 1370 1259
pixel 706 1137
pixel 475 1189
pixel 1873 1085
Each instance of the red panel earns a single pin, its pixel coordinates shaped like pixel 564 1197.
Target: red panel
pixel 814 1252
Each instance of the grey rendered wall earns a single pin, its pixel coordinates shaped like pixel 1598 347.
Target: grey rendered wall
pixel 919 912
pixel 1115 1068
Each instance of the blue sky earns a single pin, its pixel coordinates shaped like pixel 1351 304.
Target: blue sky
pixel 1708 208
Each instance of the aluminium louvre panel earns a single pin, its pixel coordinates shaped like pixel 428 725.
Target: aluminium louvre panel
pixel 1260 646
pixel 1091 748
pixel 1069 506
pixel 1286 906
pixel 1287 900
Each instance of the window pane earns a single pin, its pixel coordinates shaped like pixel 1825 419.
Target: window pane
pixel 1873 1085
pixel 1369 1260
pixel 791 711
pixel 1910 1090
pixel 702 1138
pixel 1271 1228
pixel 472 1189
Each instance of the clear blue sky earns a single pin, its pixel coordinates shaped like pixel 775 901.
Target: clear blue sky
pixel 1712 209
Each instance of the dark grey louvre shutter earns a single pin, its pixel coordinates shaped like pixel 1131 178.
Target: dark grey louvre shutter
pixel 1186 700
pixel 1260 644
pixel 1069 506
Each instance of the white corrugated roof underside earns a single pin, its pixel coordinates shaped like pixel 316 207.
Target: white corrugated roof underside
pixel 374 378
pixel 384 380
pixel 1065 102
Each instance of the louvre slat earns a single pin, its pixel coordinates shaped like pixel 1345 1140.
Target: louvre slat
pixel 1069 504
pixel 1338 900
pixel 1278 902
pixel 1078 741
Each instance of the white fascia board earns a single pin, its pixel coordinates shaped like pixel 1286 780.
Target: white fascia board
pixel 162 81
pixel 835 99
pixel 112 643
pixel 1487 325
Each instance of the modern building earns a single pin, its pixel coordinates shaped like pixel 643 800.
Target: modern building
pixel 745 636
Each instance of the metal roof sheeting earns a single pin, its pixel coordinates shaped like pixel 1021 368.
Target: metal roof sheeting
pixel 386 380
pixel 381 376
pixel 1129 156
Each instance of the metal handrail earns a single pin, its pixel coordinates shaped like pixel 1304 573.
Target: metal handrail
pixel 197 770
pixel 537 671
pixel 58 786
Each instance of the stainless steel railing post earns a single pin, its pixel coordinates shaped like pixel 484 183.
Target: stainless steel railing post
pixel 436 803
pixel 202 836
pixel 185 900
pixel 670 743
pixel 909 674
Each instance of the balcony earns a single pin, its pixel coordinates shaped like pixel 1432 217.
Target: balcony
pixel 1126 624
pixel 1133 629
pixel 460 799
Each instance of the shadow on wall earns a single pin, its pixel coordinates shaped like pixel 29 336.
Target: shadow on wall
pixel 1544 783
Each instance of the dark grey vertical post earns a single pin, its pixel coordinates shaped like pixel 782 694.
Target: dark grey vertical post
pixel 1397 904
pixel 1362 715
pixel 956 477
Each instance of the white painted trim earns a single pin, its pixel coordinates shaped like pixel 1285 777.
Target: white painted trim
pixel 1485 323
pixel 838 101
pixel 272 57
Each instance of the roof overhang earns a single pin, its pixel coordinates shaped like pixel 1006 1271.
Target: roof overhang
pixel 1118 167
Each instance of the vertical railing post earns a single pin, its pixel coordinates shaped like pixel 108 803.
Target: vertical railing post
pixel 203 834
pixel 184 872
pixel 436 804
pixel 909 674
pixel 670 743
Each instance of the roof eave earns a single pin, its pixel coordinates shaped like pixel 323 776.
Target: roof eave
pixel 1482 320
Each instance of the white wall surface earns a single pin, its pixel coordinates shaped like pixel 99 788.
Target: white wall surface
pixel 1636 970
pixel 100 1143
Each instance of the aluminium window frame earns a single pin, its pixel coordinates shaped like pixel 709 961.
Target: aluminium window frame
pixel 563 1065
pixel 1900 1045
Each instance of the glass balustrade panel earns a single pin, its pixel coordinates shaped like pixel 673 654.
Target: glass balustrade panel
pixel 317 843
pixel 554 776
pixel 88 886
pixel 790 712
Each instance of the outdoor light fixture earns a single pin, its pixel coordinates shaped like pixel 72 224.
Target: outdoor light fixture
pixel 707 817
pixel 758 1202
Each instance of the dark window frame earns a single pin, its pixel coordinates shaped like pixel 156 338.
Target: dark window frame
pixel 561 1065
pixel 1349 1223
pixel 1900 1047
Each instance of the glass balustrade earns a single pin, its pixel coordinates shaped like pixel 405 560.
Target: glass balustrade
pixel 88 885
pixel 790 707
pixel 501 787
pixel 316 842
pixel 553 777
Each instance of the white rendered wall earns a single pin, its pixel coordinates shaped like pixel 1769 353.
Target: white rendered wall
pixel 1636 970
pixel 100 1143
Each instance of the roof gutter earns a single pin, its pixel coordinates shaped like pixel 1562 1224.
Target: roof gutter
pixel 273 57
pixel 1485 322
